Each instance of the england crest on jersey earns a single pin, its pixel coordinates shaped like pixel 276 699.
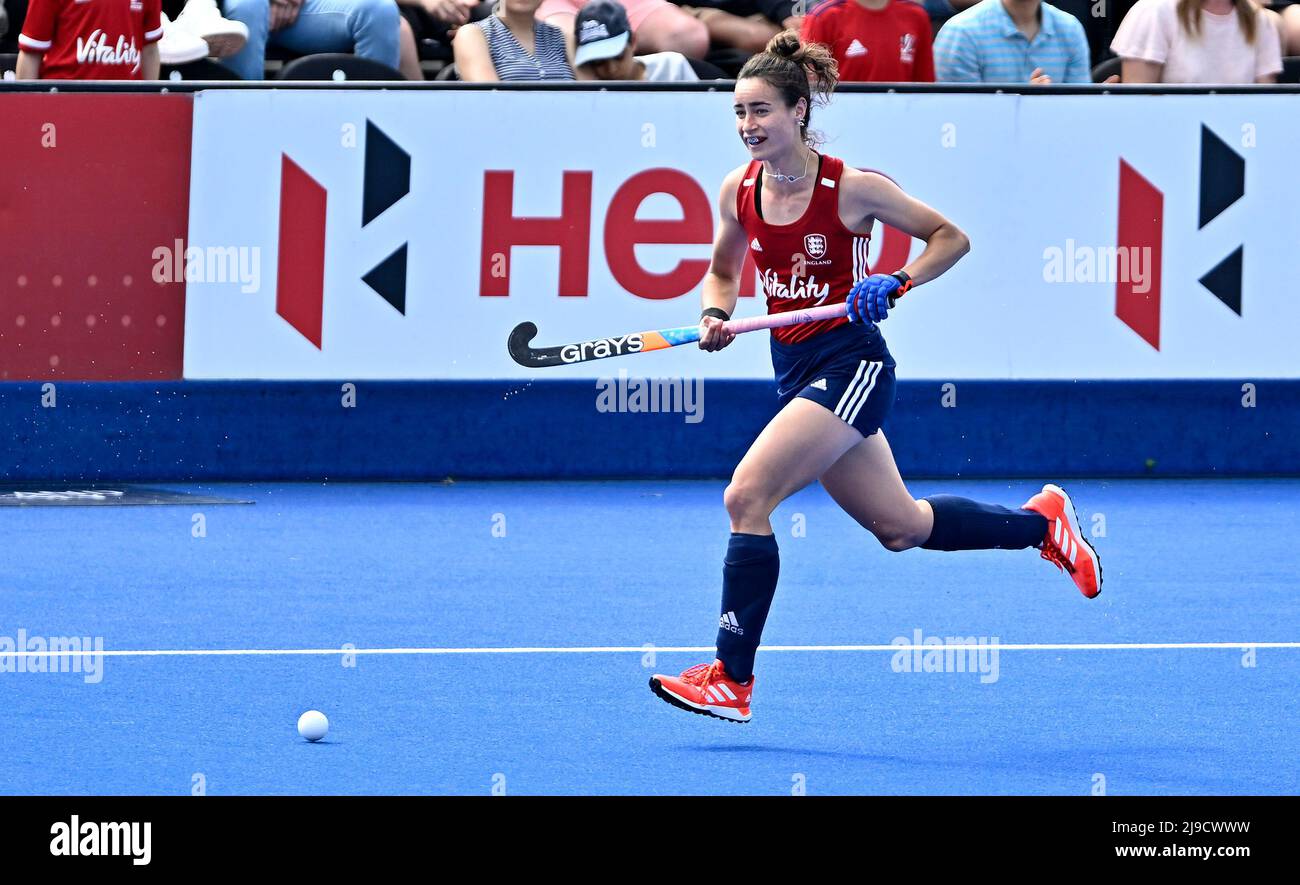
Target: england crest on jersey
pixel 814 245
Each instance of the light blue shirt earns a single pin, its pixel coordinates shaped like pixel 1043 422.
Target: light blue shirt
pixel 982 45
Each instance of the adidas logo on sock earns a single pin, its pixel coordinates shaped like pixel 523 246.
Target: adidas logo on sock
pixel 855 49
pixel 729 622
pixel 820 384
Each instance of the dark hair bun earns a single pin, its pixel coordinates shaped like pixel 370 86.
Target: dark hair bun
pixel 786 44
pixel 798 70
pixel 815 59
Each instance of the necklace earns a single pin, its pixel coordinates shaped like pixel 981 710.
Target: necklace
pixel 791 179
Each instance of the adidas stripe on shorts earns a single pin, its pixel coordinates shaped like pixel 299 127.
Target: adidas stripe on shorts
pixel 848 370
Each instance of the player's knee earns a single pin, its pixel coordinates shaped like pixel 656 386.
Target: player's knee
pixel 678 33
pixel 745 502
pixel 896 539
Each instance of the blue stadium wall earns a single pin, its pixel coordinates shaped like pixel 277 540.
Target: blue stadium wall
pixel 213 431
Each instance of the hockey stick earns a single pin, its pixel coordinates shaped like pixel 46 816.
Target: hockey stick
pixel 522 351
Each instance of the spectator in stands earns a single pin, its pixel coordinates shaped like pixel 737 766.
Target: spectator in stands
pixel 1098 20
pixel 1012 41
pixel 942 10
pixel 408 49
pixel 199 31
pixel 605 48
pixel 1198 41
pixel 367 27
pixel 512 44
pixel 71 40
pixel 436 18
pixel 659 25
pixel 879 41
pixel 1274 14
pixel 433 20
pixel 1291 29
pixel 746 25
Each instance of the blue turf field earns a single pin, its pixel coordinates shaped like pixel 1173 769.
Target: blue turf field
pixel 625 564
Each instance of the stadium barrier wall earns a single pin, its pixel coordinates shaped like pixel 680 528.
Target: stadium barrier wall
pixel 1127 308
pixel 432 430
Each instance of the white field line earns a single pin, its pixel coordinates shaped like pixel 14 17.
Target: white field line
pixel 640 649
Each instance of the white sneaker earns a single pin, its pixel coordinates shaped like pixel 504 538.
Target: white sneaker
pixel 178 46
pixel 202 19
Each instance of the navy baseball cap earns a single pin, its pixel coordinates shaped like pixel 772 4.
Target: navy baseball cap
pixel 601 30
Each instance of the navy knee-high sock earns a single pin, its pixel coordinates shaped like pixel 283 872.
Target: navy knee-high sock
pixel 749 575
pixel 963 524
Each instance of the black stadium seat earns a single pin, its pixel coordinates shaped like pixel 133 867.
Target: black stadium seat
pixel 728 59
pixel 337 65
pixel 432 49
pixel 1107 68
pixel 203 69
pixel 707 70
pixel 8 62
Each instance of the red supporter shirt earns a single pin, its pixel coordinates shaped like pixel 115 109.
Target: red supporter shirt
pixel 91 39
pixel 889 45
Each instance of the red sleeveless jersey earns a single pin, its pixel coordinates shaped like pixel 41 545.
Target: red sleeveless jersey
pixel 809 262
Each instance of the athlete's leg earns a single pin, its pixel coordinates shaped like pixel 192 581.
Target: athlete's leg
pixel 866 483
pixel 792 451
pixel 795 448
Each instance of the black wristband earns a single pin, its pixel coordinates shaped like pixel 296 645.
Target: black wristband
pixel 717 312
pixel 906 285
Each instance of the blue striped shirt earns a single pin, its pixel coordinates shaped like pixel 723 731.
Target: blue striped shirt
pixel 548 60
pixel 982 45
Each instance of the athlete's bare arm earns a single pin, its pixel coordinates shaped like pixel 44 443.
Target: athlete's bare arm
pixel 868 195
pixel 722 282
